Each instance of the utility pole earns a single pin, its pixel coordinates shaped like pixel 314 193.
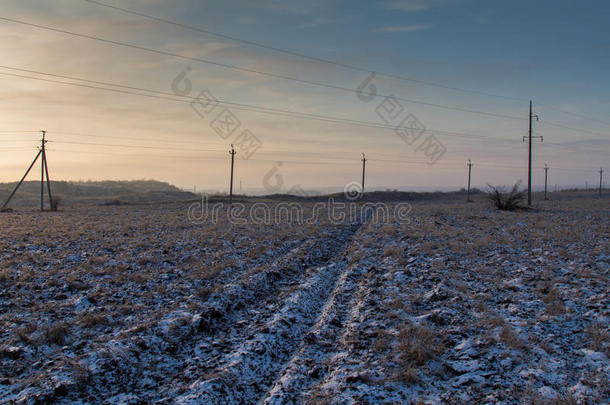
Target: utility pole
pixel 363 169
pixel 601 172
pixel 42 173
pixel 546 174
pixel 529 165
pixel 469 172
pixel 44 170
pixel 232 152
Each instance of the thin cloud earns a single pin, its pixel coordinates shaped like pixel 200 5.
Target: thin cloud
pixel 403 28
pixel 414 5
pixel 317 22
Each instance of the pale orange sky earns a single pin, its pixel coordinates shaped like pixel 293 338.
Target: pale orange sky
pixel 184 150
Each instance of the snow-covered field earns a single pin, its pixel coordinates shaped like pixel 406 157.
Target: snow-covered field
pixel 461 304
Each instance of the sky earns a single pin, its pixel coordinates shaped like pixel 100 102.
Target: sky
pixel 291 85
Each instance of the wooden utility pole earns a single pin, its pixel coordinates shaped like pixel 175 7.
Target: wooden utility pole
pixel 601 172
pixel 529 164
pixel 469 173
pixel 546 174
pixel 232 152
pixel 44 170
pixel 42 173
pixel 363 169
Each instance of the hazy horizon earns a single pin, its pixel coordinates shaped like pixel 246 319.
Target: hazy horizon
pixel 474 65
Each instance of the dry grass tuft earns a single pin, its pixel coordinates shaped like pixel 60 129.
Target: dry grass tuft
pixel 5 275
pixel 75 284
pixel 408 375
pixel 97 260
pixel 91 320
pixel 532 397
pixel 56 333
pixel 556 308
pixel 393 251
pixel 599 338
pixel 480 306
pixel 204 292
pixel 552 299
pixel 23 333
pixel 317 397
pixel 510 338
pixel 82 375
pixel 382 342
pixel 417 344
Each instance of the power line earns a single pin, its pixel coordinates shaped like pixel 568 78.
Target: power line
pixel 331 160
pixel 237 106
pixel 248 70
pixel 76 134
pixel 16 141
pixel 158 155
pixel 217 150
pixel 573 129
pixel 332 155
pixel 136 146
pixel 301 55
pixel 233 105
pixel 571 113
pixel 16 149
pixel 328 61
pixel 242 106
pixel 575 169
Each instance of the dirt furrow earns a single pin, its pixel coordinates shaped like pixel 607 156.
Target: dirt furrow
pixel 251 366
pixel 188 345
pixel 239 310
pixel 245 368
pixel 308 365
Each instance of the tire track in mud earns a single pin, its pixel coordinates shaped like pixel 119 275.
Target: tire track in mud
pixel 353 370
pixel 343 371
pixel 183 347
pixel 308 365
pixel 245 371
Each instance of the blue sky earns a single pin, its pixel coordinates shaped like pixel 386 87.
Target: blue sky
pixel 554 52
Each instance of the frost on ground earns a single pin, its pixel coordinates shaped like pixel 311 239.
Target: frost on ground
pixel 462 304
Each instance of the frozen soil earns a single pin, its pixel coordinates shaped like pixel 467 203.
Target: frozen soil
pixel 459 304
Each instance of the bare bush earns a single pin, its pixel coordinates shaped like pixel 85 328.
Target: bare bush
pixel 507 201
